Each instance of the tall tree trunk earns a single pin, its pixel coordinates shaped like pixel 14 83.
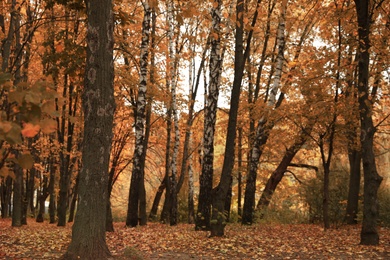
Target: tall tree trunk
pixel 191 206
pixel 138 165
pixel 220 193
pixel 6 192
pixel 75 196
pixel 278 174
pixel 354 150
pixel 157 198
pixel 88 232
pixel 372 180
pixel 206 178
pixel 264 127
pixel 17 197
pixel 354 157
pixel 239 175
pixel 52 193
pixel 43 193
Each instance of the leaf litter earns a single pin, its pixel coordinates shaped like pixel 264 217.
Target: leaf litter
pixel 158 241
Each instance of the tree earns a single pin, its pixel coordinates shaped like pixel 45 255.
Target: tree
pixel 372 180
pixel 206 178
pixel 220 193
pixel 137 183
pixel 88 233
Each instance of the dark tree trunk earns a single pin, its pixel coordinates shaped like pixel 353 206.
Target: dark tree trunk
pixel 372 180
pixel 157 198
pixel 88 232
pixel 354 157
pixel 239 176
pixel 278 174
pixel 164 218
pixel 6 191
pixel 52 193
pixel 74 199
pixel 220 197
pixel 30 189
pixel 42 196
pixel 17 205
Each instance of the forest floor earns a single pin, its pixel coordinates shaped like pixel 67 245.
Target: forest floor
pixel 158 241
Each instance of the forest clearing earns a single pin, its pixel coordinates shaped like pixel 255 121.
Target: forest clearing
pixel 158 241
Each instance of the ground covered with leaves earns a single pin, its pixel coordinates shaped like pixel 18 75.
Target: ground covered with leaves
pixel 158 241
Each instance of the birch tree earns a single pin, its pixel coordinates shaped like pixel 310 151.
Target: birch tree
pixel 206 179
pixel 137 176
pixel 262 131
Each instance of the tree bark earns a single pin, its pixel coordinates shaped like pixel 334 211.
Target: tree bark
pixel 88 232
pixel 264 127
pixel 203 216
pixel 220 194
pixel 372 180
pixel 139 150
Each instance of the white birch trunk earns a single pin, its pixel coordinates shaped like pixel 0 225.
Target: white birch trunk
pixel 172 82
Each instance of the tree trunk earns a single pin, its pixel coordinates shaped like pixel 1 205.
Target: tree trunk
pixel 139 150
pixel 74 199
pixel 263 127
pixel 17 197
pixel 157 198
pixel 191 206
pixel 6 192
pixel 88 232
pixel 278 174
pixel 220 195
pixel 239 176
pixel 354 157
pixel 172 83
pixel 206 178
pixel 42 196
pixel 372 180
pixel 52 193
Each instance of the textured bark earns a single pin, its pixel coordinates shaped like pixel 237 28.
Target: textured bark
pixel 139 151
pixel 372 180
pixel 220 195
pixel 172 82
pixel 7 43
pixel 206 178
pixel 88 232
pixel 263 126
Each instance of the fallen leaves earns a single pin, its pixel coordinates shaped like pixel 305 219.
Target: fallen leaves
pixel 157 241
